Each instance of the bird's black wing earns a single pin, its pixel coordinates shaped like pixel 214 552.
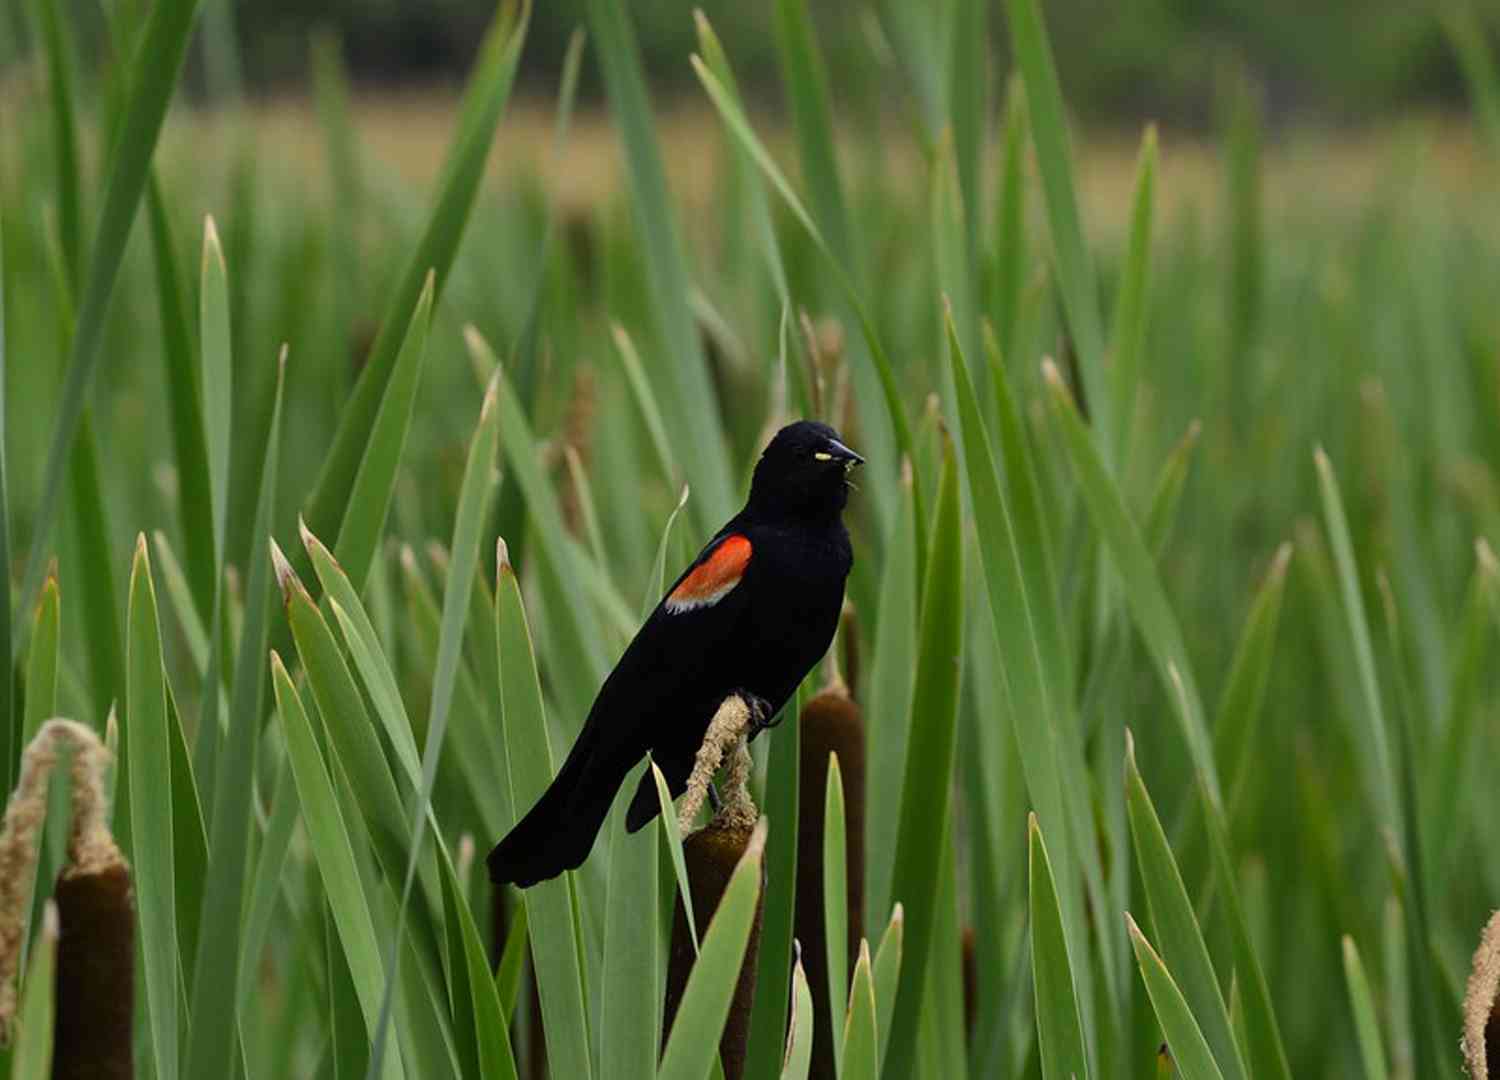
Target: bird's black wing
pixel 663 673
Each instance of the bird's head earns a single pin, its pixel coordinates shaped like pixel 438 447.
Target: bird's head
pixel 804 472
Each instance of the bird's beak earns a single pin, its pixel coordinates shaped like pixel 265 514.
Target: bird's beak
pixel 844 454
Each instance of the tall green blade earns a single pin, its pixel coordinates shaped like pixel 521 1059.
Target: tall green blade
pixel 683 373
pixel 1128 339
pixel 151 814
pixel 334 854
pixel 1072 262
pixel 549 905
pixel 1058 1021
pixel 370 495
pixel 473 505
pixel 926 794
pixel 32 1050
pixel 1366 1020
pixel 836 905
pixel 1176 923
pixel 1190 1053
pixel 485 97
pixel 158 61
pixel 215 973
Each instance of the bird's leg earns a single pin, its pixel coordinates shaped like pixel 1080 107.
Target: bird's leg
pixel 761 714
pixel 713 797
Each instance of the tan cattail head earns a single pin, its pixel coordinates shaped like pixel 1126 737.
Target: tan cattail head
pixel 1481 1018
pixel 90 846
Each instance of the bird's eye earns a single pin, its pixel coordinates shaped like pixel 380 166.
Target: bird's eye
pixel 822 455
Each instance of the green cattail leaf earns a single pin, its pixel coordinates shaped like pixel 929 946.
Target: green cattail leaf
pixel 180 595
pixel 369 499
pixel 156 66
pixel 148 745
pixel 1128 336
pixel 860 1051
pixel 333 852
pixel 184 407
pixel 710 987
pixel 95 570
pixel 645 401
pixel 494 1057
pixel 889 707
pixel 887 975
pixel 1010 220
pixel 1191 1056
pixel 1166 496
pixel 1021 587
pixel 630 1013
pixel 344 716
pixel 31 1056
pixel 797 1060
pixel 672 829
pixel 485 98
pixel 836 906
pixel 769 1013
pixel 1176 924
pixel 549 905
pixel 585 660
pixel 370 661
pixel 682 373
pixel 733 114
pixel 1366 1021
pixel 473 505
pixel 215 964
pixel 42 662
pixel 270 865
pixel 217 380
pixel 1059 1024
pixel 1143 588
pixel 926 790
pixel 1072 262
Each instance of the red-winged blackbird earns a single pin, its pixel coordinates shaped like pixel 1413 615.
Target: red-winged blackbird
pixel 753 613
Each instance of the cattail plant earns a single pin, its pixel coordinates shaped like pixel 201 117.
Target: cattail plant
pixel 712 853
pixel 1481 1036
pixel 95 908
pixel 831 723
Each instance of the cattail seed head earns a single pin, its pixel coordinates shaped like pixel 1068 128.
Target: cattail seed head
pixel 95 907
pixel 1481 1037
pixel 831 723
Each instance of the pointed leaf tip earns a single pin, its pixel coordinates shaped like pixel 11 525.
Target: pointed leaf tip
pixel 286 577
pixel 502 556
pixel 1486 556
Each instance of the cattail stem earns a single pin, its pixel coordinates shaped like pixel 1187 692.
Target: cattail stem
pixel 96 951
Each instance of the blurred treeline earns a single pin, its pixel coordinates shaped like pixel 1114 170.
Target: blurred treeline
pixel 1324 60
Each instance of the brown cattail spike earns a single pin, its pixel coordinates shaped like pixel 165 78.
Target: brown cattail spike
pixel 712 854
pixel 831 723
pixel 1481 1038
pixel 96 951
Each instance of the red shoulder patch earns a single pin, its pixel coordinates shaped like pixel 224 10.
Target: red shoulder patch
pixel 713 578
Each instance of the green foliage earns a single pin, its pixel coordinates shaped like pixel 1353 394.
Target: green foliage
pixel 1050 576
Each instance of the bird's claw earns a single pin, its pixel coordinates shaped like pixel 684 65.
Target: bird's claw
pixel 761 714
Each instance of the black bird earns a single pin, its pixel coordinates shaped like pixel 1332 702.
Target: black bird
pixel 753 613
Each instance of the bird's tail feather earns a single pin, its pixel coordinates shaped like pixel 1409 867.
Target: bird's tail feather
pixel 559 831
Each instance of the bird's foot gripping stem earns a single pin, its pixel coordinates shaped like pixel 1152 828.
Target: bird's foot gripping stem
pixel 762 716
